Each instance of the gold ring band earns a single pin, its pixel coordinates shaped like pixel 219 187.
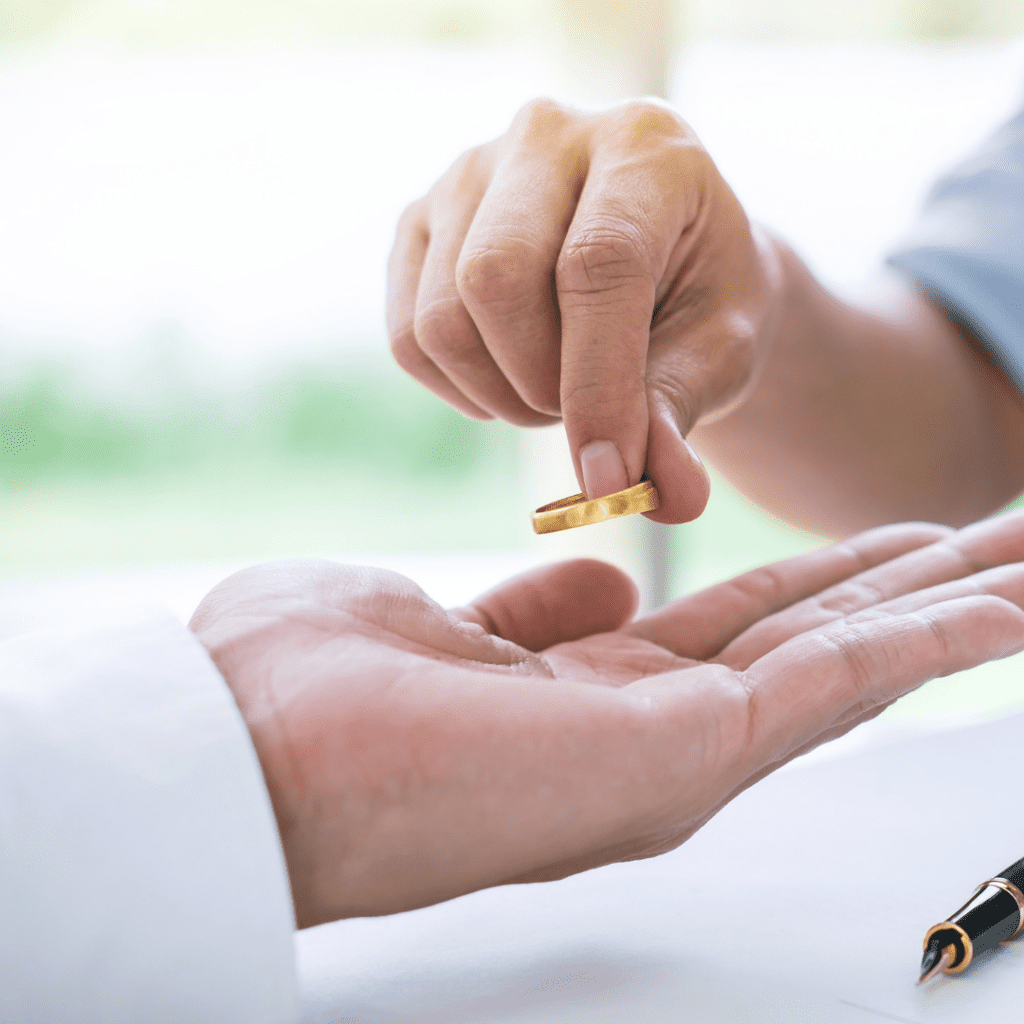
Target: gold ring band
pixel 567 513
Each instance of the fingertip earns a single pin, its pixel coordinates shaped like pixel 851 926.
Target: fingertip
pixel 557 603
pixel 677 472
pixel 408 355
pixel 629 594
pixel 604 586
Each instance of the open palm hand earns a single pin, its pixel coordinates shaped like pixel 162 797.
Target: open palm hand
pixel 414 754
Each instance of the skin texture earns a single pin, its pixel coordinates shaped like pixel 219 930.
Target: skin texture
pixel 596 267
pixel 413 754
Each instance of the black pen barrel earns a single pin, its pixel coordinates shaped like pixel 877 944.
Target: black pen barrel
pixel 979 925
pixel 991 921
pixel 976 928
pixel 1014 874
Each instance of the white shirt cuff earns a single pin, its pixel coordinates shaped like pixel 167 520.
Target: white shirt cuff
pixel 141 871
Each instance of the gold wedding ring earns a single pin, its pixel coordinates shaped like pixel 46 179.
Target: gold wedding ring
pixel 567 513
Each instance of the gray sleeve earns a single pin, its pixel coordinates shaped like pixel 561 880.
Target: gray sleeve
pixel 967 249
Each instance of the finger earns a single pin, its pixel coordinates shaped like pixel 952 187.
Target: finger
pixel 506 269
pixel 815 681
pixel 958 555
pixel 1005 581
pixel 682 481
pixel 701 625
pixel 555 604
pixel 699 358
pixel 632 209
pixel 444 329
pixel 405 266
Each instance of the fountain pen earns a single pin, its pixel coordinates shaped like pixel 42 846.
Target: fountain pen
pixel 980 924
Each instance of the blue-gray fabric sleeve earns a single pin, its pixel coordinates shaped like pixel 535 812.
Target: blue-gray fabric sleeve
pixel 967 249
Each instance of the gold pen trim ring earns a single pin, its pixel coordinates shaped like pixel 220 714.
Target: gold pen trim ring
pixel 1018 897
pixel 965 940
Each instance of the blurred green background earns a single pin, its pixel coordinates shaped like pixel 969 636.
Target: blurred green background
pixel 326 456
pixel 124 443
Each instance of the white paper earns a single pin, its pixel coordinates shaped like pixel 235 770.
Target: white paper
pixel 806 899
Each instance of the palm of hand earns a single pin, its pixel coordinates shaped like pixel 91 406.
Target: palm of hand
pixel 413 755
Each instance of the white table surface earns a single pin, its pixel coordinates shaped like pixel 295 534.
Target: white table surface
pixel 805 900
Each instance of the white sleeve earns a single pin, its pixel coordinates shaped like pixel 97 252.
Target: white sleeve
pixel 141 871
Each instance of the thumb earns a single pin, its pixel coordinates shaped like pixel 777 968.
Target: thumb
pixel 676 469
pixel 555 604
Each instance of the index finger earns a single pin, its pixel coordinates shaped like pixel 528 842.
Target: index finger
pixel 631 210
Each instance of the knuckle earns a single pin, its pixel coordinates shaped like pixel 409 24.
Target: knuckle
pixel 863 661
pixel 644 125
pixel 441 333
pixel 498 275
pixel 403 346
pixel 602 256
pixel 412 217
pixel 474 165
pixel 541 115
pixel 767 587
pixel 749 724
pixel 850 597
pixel 463 178
pixel 649 118
pixel 938 628
pixel 602 397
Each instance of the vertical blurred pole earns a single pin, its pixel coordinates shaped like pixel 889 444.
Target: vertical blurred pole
pixel 635 39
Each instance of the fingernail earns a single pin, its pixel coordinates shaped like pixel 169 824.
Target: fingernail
pixel 604 472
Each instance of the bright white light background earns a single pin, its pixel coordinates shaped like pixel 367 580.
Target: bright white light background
pixel 247 194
